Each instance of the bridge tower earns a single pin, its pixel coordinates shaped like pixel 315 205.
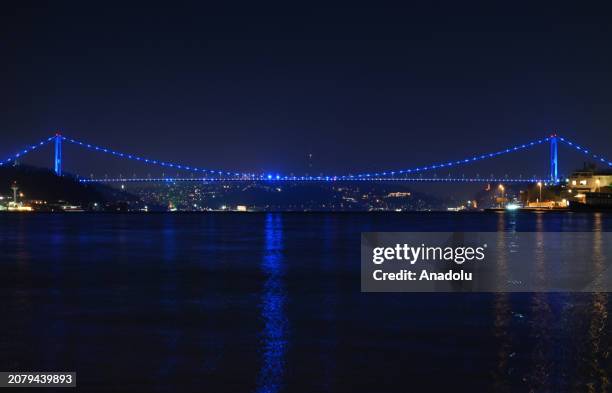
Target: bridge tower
pixel 554 170
pixel 58 154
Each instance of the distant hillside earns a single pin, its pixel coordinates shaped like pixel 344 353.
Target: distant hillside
pixel 300 195
pixel 43 184
pixel 285 196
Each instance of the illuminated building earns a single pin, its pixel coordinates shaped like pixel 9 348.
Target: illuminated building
pixel 589 181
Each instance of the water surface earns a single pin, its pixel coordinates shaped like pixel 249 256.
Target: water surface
pixel 272 303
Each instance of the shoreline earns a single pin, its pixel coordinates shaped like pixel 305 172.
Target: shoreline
pixel 394 212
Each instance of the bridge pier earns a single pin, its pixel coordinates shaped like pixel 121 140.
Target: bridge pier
pixel 554 170
pixel 58 154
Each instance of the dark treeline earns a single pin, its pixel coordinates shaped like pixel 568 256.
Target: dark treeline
pixel 43 184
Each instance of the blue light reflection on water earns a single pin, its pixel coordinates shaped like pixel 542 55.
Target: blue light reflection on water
pixel 273 303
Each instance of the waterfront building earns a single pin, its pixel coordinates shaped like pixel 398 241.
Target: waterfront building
pixel 590 187
pixel 590 181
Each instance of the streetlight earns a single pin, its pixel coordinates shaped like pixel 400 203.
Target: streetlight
pixel 540 185
pixel 597 182
pixel 501 189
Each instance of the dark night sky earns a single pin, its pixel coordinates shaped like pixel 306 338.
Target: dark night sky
pixel 253 88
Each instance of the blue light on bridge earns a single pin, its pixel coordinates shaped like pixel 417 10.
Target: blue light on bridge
pixel 376 176
pixel 316 179
pixel 26 150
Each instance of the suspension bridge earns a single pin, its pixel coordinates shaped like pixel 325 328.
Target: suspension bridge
pixel 399 175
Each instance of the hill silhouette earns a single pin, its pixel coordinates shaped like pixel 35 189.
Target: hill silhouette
pixel 43 184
